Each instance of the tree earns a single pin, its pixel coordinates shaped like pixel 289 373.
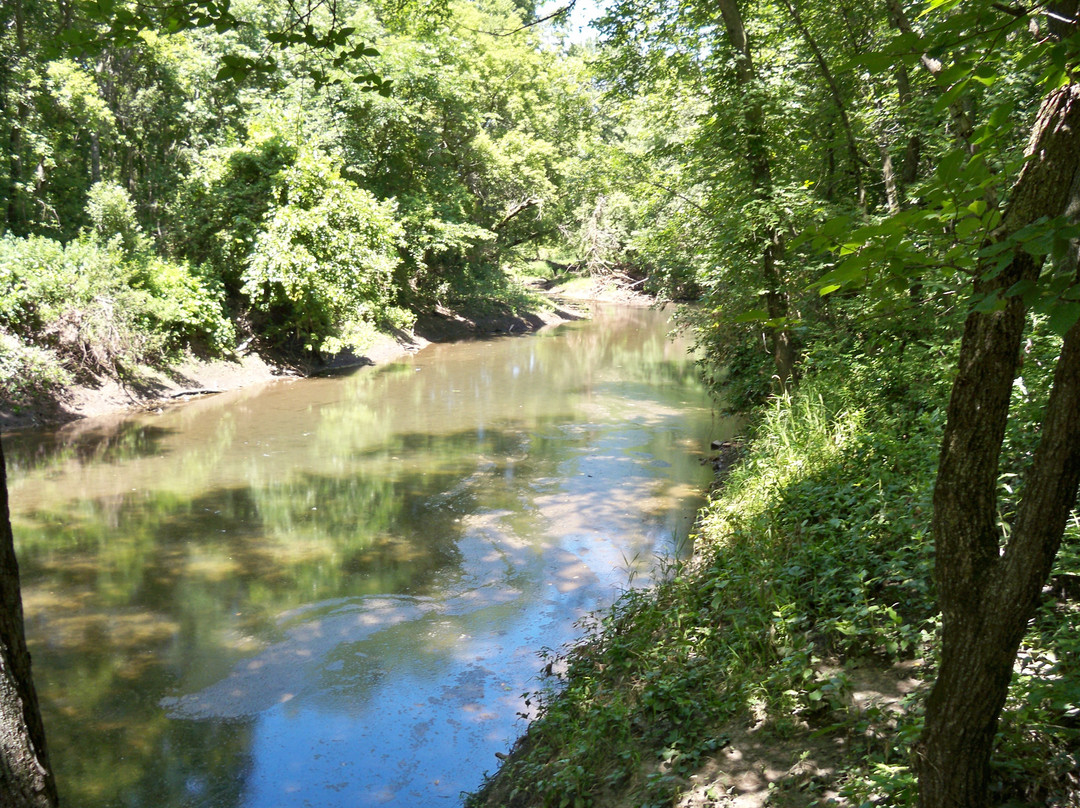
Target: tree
pixel 26 779
pixel 784 349
pixel 988 587
pixel 988 592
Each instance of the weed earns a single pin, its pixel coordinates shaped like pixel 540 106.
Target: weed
pixel 814 556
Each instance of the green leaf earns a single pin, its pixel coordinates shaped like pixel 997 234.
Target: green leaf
pixel 985 304
pixel 950 96
pixel 1021 288
pixel 948 167
pixel 877 62
pixel 935 5
pixel 1063 316
pixel 752 316
pixel 909 42
pixel 968 226
pixel 985 75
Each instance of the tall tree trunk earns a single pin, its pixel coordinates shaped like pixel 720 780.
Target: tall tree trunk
pixel 95 158
pixel 888 173
pixel 855 161
pixel 783 344
pixel 909 168
pixel 988 595
pixel 26 780
pixel 16 213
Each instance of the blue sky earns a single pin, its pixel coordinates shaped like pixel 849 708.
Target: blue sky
pixel 584 11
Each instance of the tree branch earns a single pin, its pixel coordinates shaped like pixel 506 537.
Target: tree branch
pixel 539 21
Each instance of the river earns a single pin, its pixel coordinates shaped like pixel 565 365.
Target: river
pixel 333 592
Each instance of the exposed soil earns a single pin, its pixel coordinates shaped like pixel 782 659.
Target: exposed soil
pixel 193 377
pixel 756 767
pixel 606 290
pixel 756 764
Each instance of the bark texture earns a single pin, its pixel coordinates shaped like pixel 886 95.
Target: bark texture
pixel 775 297
pixel 988 593
pixel 26 779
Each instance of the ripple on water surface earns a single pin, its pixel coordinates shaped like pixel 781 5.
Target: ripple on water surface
pixel 334 592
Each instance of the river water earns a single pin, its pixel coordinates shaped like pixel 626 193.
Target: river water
pixel 333 592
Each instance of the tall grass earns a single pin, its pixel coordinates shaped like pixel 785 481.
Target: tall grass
pixel 813 561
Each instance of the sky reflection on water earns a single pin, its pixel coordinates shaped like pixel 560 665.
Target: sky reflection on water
pixel 333 592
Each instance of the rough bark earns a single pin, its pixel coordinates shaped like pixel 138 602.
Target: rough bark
pixel 987 594
pixel 26 779
pixel 775 298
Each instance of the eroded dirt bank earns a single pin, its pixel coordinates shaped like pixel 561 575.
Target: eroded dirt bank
pixel 191 378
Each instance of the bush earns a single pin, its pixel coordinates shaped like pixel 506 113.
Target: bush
pixel 27 371
pixel 225 202
pixel 323 265
pixel 184 305
pixel 112 213
pixel 100 311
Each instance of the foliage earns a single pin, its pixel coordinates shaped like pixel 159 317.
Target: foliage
pixel 225 201
pixel 112 215
pixel 813 563
pixel 181 136
pixel 27 371
pixel 324 262
pixel 165 168
pixel 813 557
pixel 98 311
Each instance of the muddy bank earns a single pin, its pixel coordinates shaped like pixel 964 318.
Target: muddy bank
pixel 194 378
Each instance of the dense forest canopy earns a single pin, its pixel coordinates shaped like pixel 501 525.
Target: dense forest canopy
pixel 834 183
pixel 261 166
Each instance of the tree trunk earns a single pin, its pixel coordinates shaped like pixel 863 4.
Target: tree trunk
pixel 26 779
pixel 95 158
pixel 783 345
pixel 888 173
pixel 854 159
pixel 986 594
pixel 909 168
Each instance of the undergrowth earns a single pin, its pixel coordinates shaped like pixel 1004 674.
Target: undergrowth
pixel 814 560
pixel 89 307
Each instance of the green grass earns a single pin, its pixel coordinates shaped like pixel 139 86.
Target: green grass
pixel 813 560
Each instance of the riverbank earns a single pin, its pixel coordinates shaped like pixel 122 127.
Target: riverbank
pixel 380 554
pixel 787 663
pixel 163 386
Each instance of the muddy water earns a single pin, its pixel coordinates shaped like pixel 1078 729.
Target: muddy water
pixel 333 592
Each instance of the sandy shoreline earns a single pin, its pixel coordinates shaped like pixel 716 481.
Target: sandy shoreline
pixel 196 378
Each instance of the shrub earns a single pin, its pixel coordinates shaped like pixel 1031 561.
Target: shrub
pixel 28 370
pixel 112 213
pixel 225 202
pixel 101 311
pixel 324 262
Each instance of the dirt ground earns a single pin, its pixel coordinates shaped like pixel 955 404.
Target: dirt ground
pixel 195 377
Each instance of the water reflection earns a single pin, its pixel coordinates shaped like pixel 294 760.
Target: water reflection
pixel 332 592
